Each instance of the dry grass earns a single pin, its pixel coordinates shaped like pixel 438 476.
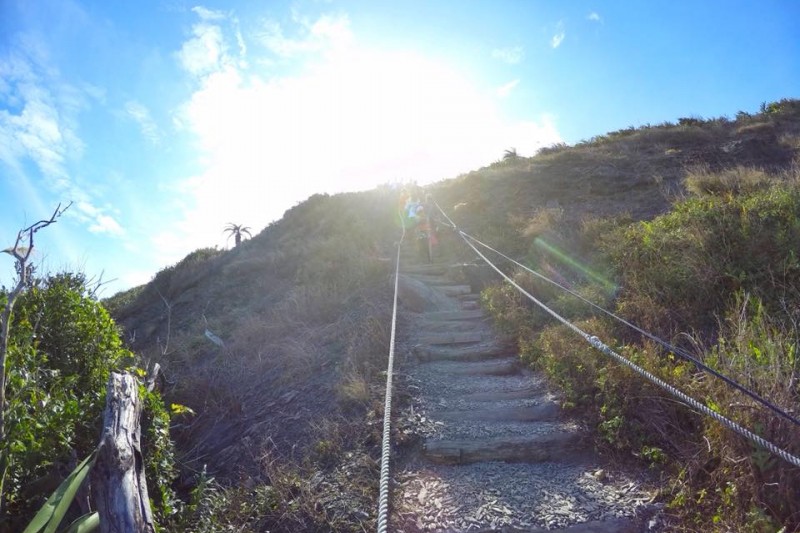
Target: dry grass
pixel 737 180
pixel 545 219
pixel 303 306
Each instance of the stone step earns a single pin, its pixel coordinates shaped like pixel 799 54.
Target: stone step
pixel 461 353
pixel 470 305
pixel 498 396
pixel 430 268
pixel 559 446
pixel 470 297
pixel 547 410
pixel 454 315
pixel 454 337
pixel 430 327
pixel 435 280
pixel 456 290
pixel 488 368
pixel 611 525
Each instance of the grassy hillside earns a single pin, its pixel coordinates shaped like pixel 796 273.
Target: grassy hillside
pixel 708 261
pixel 302 310
pixel 287 408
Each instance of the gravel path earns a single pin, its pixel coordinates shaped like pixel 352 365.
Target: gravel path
pixel 477 403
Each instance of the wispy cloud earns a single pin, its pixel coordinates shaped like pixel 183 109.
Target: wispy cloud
pixel 559 36
pixel 106 224
pixel 97 219
pixel 205 51
pixel 39 127
pixel 208 14
pixel 324 34
pixel 141 115
pixel 511 55
pixel 504 90
pixel 594 17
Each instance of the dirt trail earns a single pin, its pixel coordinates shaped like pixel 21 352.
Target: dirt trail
pixel 498 454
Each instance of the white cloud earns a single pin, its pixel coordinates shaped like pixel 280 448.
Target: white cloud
pixel 141 115
pixel 328 33
pixel 511 55
pixel 559 36
pixel 351 120
pixel 594 17
pixel 203 53
pixel 106 224
pixel 504 90
pixel 208 14
pixel 39 131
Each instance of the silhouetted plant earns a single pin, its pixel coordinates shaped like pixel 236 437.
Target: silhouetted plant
pixel 237 230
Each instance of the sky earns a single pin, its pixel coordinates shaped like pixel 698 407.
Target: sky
pixel 163 121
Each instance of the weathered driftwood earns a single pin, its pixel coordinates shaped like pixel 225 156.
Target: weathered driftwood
pixel 118 481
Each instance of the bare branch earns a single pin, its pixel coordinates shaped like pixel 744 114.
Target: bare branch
pixel 165 348
pixel 22 254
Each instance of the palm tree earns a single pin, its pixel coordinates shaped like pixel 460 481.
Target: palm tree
pixel 510 154
pixel 237 230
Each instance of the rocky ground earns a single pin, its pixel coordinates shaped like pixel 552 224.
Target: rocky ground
pixel 495 452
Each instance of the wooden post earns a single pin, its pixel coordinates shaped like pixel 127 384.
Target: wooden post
pixel 118 482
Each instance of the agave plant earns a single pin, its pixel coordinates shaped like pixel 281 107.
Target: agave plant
pixel 237 230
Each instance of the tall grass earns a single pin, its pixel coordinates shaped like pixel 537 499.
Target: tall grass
pixel 719 275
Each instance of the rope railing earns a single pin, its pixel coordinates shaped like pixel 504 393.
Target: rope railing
pixel 683 354
pixel 606 350
pixel 383 496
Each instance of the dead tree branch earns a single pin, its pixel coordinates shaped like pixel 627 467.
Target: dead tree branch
pixel 21 252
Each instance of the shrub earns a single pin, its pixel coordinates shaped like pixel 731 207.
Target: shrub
pixel 690 261
pixel 63 345
pixel 720 270
pixel 738 180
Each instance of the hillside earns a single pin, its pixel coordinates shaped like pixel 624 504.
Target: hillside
pixel 303 307
pixel 293 307
pixel 635 171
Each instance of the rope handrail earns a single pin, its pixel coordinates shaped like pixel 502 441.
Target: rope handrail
pixel 606 350
pixel 383 496
pixel 680 352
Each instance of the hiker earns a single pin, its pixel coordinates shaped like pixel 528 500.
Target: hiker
pixel 424 233
pixel 410 212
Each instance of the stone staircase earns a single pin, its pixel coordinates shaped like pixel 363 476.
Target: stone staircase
pixel 497 453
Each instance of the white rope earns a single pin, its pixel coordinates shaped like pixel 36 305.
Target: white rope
pixel 674 349
pixel 383 497
pixel 598 344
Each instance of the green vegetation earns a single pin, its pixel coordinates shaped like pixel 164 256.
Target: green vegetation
pixel 62 346
pixel 718 275
pixel 288 403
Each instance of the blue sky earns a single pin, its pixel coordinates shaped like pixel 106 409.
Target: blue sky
pixel 164 120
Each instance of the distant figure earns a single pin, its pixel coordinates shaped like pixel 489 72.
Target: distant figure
pixel 426 236
pixel 410 211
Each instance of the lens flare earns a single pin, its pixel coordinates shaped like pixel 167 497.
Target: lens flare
pixel 608 285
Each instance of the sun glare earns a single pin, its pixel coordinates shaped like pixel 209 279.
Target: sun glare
pixel 350 119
